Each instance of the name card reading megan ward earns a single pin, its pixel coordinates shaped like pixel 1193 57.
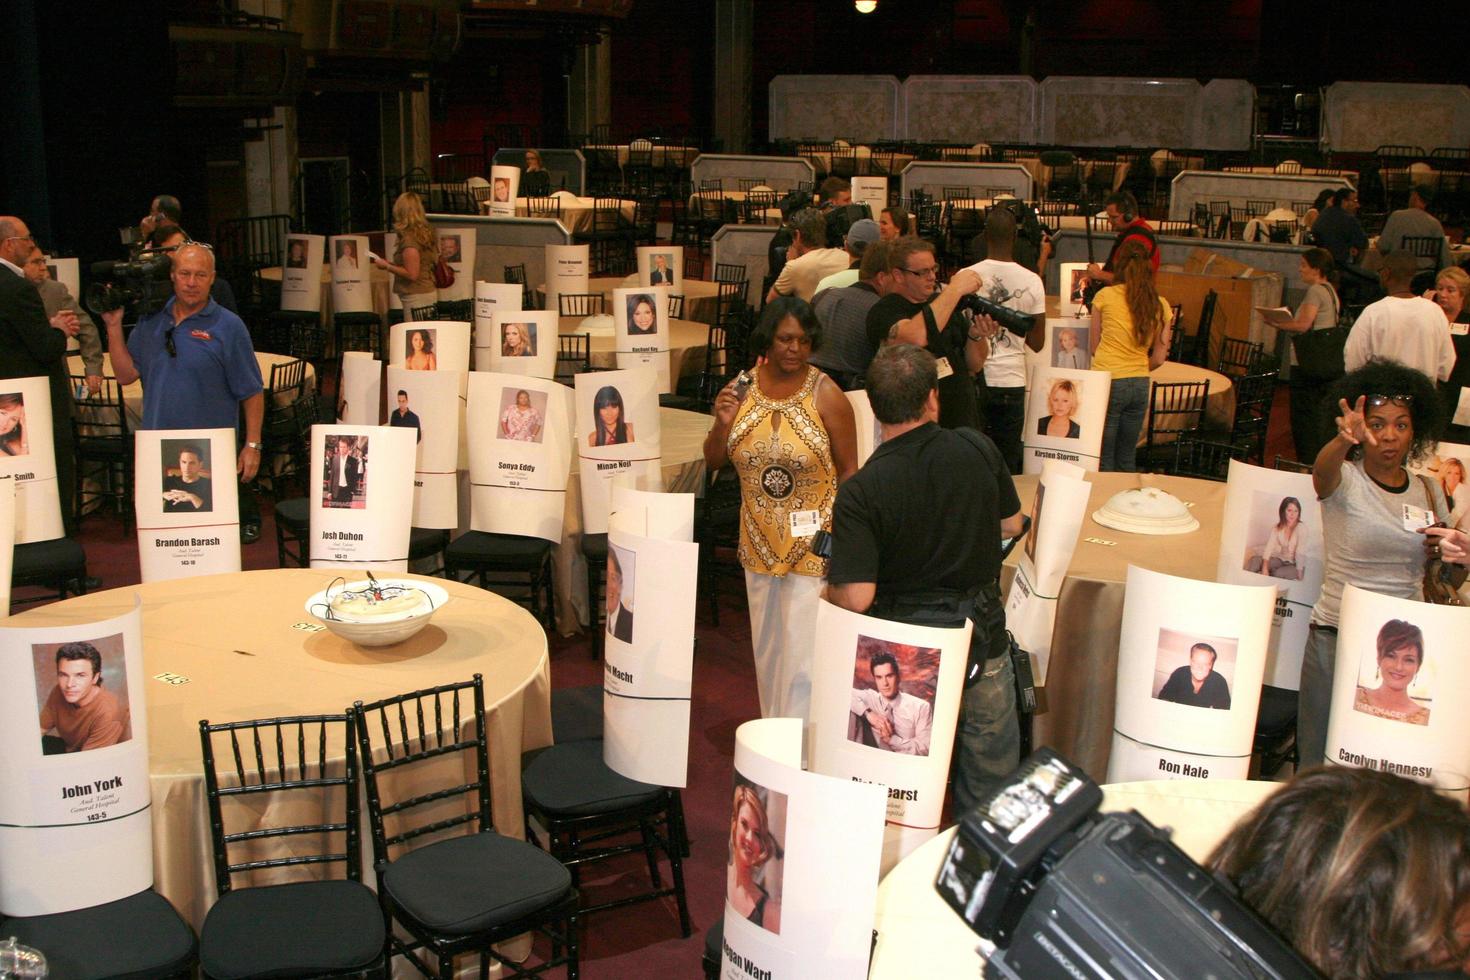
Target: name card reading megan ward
pixel 801 882
pixel 1190 661
pixel 361 494
pixel 618 435
pixel 520 454
pixel 187 499
pixel 28 457
pixel 1065 410
pixel 75 827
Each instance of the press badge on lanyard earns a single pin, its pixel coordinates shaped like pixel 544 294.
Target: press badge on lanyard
pixel 805 523
pixel 1417 517
pixel 942 363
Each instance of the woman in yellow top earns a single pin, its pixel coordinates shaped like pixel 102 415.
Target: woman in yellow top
pixel 414 256
pixel 1129 337
pixel 791 438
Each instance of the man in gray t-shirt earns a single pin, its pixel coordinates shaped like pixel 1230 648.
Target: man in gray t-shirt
pixel 1415 221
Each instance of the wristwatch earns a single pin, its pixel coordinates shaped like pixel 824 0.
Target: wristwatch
pixel 255 446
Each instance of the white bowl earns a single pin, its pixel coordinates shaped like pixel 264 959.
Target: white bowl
pixel 1146 510
pixel 379 632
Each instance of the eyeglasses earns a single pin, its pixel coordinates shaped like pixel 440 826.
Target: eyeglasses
pixel 22 238
pixel 168 342
pixel 928 273
pixel 1402 401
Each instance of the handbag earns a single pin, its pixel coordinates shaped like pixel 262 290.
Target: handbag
pixel 1442 580
pixel 1319 354
pixel 443 274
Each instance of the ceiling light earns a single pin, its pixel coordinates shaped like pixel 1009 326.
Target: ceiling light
pixel 865 6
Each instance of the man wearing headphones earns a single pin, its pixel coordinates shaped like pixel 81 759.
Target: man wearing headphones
pixel 1122 212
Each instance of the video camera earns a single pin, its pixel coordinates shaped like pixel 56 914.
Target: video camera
pixel 142 279
pixel 1063 891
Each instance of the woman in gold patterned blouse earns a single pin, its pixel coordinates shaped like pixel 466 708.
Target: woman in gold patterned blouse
pixel 792 439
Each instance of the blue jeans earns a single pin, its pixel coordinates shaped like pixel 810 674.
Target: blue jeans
pixel 1127 405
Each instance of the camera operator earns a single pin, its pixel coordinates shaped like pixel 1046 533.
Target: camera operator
pixel 916 537
pixel 911 313
pixel 197 366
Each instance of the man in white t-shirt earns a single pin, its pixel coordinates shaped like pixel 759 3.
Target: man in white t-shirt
pixel 1402 327
pixel 808 260
pixel 1002 382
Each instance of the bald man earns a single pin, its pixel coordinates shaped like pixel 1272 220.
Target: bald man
pixel 197 366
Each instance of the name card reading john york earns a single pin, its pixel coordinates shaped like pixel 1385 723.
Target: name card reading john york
pixel 76 801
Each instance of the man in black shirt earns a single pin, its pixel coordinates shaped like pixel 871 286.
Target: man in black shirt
pixel 912 314
pixel 916 538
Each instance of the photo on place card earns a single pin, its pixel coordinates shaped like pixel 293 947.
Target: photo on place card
pixel 522 415
pixel 1077 287
pixel 1069 347
pixel 187 486
pixel 621 581
pixel 642 314
pixel 893 690
pixel 296 253
pixel 1194 669
pixel 1392 681
pixel 345 254
pixel 1275 537
pixel 753 877
pixel 402 416
pixel 661 269
pixel 500 189
pixel 15 438
pixel 613 427
pixel 344 480
pixel 517 339
pixel 449 249
pixel 418 349
pixel 1064 405
pixel 82 694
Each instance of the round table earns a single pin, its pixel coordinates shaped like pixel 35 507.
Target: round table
pixel 686 338
pixel 576 212
pixel 248 650
pixel 381 284
pixel 920 936
pixel 133 394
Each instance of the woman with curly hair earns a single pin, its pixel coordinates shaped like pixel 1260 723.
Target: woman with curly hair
pixel 1388 414
pixel 414 254
pixel 1365 873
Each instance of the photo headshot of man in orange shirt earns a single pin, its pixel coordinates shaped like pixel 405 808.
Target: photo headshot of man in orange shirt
pixel 80 714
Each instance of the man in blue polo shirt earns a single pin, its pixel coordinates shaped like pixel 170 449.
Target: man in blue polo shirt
pixel 197 366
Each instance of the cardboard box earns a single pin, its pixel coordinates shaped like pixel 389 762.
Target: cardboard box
pixel 1239 290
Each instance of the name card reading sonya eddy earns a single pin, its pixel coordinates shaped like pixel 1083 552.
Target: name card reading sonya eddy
pixel 520 454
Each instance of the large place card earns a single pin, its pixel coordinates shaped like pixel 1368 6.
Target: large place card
pixel 492 298
pixel 885 703
pixel 430 345
pixel 301 279
pixel 801 882
pixel 661 265
pixel 641 322
pixel 390 244
pixel 75 826
pixel 7 540
pixel 428 403
pixel 869 430
pixel 361 399
pixel 1272 535
pixel 187 499
pixel 520 444
pixel 1401 690
pixel 28 456
pixel 524 342
pixel 618 434
pixel 1190 661
pixel 457 249
pixel 1065 410
pixel 361 496
pixel 352 275
pixel 566 271
pixel 1057 513
pixel 505 187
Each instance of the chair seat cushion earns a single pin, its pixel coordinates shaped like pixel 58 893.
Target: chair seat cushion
pixel 571 780
pixel 471 884
pixel 595 546
pixel 496 550
pixel 140 937
pixel 45 560
pixel 292 930
pixel 294 513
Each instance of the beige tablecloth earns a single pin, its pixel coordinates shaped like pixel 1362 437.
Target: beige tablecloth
pixel 576 212
pixel 133 393
pixel 686 338
pixel 920 936
pixel 1220 399
pixel 235 638
pixel 1075 711
pixel 382 286
pixel 682 441
pixel 701 298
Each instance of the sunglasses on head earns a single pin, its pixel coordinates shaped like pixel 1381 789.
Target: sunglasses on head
pixel 1402 401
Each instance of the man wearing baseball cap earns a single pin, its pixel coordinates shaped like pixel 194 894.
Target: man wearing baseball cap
pixel 863 233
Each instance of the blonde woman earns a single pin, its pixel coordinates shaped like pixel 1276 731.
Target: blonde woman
pixel 414 256
pixel 751 848
pixel 1063 401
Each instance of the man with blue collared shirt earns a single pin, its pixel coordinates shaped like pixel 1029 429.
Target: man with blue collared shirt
pixel 197 367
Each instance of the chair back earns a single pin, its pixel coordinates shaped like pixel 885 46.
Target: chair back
pixel 1291 465
pixel 279 756
pixel 748 184
pixel 1255 393
pixel 573 356
pixel 1176 337
pixel 543 207
pixel 1204 459
pixel 402 740
pixel 580 304
pixel 102 416
pixel 1424 247
pixel 676 306
pixel 287 376
pixel 730 272
pixel 1237 356
pixel 1199 350
pixel 1175 408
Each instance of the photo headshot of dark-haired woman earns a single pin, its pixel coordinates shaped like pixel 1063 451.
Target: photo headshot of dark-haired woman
pixel 296 254
pixel 612 425
pixel 641 316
